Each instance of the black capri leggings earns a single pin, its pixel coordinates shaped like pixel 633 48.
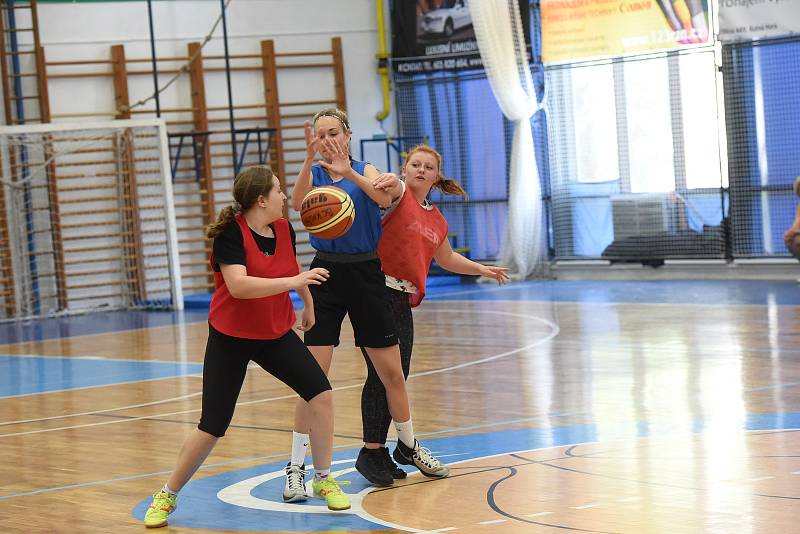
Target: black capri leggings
pixel 375 416
pixel 225 366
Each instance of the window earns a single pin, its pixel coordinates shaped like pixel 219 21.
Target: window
pixel 650 149
pixel 595 122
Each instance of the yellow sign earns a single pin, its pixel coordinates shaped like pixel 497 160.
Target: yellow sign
pixel 582 29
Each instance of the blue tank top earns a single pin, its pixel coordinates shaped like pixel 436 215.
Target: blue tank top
pixel 363 236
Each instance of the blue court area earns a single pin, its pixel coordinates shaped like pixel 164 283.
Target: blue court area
pixel 93 323
pixel 250 499
pixel 714 292
pixel 719 292
pixel 25 375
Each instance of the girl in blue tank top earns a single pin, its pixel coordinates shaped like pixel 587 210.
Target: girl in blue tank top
pixel 330 136
pixel 357 288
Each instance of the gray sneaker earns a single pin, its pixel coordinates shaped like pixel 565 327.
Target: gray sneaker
pixel 421 458
pixel 295 489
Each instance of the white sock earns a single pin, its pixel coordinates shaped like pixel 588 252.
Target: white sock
pixel 405 432
pixel 299 447
pixel 169 491
pixel 322 473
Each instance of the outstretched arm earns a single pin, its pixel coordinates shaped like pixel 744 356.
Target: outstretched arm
pixel 390 183
pixel 454 262
pixel 340 166
pixel 242 286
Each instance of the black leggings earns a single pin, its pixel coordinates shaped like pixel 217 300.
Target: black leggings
pixel 375 416
pixel 225 366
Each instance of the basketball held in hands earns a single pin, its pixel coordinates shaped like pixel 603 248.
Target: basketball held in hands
pixel 327 212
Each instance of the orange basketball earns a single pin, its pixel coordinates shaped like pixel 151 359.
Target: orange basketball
pixel 327 212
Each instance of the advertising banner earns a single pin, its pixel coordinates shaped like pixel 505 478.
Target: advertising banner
pixel 584 29
pixel 753 19
pixel 437 35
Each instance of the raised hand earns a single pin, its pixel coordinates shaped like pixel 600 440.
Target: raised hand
pixel 497 273
pixel 314 277
pixel 337 153
pixel 312 143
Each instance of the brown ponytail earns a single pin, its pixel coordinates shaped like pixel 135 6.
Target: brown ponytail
pixel 223 219
pixel 250 184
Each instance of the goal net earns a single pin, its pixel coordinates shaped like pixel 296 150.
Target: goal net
pixel 87 219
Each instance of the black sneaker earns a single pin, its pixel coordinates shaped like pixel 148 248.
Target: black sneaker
pixel 372 467
pixel 397 473
pixel 421 458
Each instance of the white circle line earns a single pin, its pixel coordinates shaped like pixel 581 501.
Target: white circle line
pixel 554 332
pixel 94 412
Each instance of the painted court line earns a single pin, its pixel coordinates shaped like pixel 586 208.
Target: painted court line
pixel 352 445
pixel 94 412
pixel 153 474
pixel 192 375
pixel 554 332
pixel 99 358
pixel 112 332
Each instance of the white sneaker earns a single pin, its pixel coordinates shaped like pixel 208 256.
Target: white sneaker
pixel 421 458
pixel 295 489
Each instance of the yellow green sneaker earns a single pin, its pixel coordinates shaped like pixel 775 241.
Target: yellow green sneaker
pixel 328 488
pixel 159 510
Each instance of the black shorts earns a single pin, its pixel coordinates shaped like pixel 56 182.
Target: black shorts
pixel 358 290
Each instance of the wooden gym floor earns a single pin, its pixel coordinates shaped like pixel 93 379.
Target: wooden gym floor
pixel 624 407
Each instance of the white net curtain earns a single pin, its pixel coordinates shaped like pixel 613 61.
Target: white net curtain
pixel 498 29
